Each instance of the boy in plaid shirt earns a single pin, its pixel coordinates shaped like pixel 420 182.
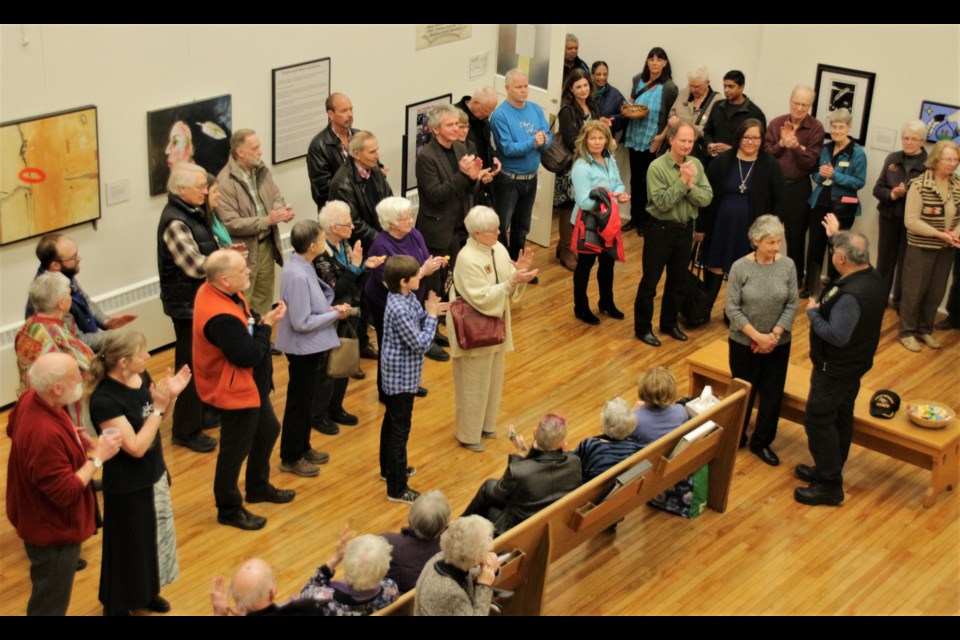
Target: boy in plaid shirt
pixel 408 332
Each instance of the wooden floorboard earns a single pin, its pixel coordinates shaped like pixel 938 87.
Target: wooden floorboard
pixel 880 553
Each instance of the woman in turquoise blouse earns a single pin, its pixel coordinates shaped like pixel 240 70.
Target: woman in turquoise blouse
pixel 596 167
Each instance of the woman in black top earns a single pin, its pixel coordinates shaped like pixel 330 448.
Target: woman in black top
pixel 122 397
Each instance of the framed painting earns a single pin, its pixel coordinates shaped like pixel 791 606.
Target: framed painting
pixel 196 132
pixel 839 88
pixel 942 120
pixel 417 135
pixel 49 173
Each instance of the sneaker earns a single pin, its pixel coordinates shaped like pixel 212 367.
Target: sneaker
pixel 911 344
pixel 199 442
pixel 316 457
pixel 301 468
pixel 410 472
pixel 407 497
pixel 929 340
pixel 272 494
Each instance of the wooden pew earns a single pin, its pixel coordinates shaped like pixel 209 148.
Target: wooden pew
pixel 935 449
pixel 582 514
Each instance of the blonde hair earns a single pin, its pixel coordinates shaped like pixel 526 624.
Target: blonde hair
pixel 657 388
pixel 589 127
pixel 119 344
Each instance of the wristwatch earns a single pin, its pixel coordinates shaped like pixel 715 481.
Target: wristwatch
pixel 157 413
pixel 97 462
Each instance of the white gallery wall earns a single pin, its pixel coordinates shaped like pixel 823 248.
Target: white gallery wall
pixel 127 70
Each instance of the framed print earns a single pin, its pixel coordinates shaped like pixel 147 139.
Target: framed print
pixel 197 132
pixel 942 121
pixel 416 135
pixel 49 173
pixel 839 88
pixel 300 93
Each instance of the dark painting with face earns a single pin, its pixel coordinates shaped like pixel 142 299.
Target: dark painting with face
pixel 196 132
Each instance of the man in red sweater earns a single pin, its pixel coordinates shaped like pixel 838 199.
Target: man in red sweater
pixel 50 500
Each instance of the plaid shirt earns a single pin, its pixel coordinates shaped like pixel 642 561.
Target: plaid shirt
pixel 186 254
pixel 407 334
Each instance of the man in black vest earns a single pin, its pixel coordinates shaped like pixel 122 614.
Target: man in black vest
pixel 844 334
pixel 184 240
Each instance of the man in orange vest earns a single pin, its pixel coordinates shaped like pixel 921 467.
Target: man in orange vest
pixel 234 373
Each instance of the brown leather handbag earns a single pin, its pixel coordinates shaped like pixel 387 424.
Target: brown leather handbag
pixel 474 329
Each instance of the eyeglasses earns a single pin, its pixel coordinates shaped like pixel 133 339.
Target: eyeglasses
pixel 73 258
pixel 751 138
pixel 348 225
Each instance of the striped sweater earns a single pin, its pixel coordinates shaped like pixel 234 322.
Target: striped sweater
pixel 927 211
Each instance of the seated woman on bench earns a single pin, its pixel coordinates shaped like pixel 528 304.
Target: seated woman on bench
pixel 657 411
pixel 602 452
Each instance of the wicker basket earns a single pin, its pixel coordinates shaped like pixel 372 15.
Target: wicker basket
pixel 635 111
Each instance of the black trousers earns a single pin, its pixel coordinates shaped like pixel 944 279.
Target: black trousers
pixel 891 247
pixel 328 395
pixel 639 163
pixel 953 302
pixel 829 424
pixel 767 372
pixel 796 214
pixel 581 278
pixel 394 433
pixel 486 503
pixel 52 570
pixel 297 414
pixel 188 410
pixel 664 246
pixel 245 434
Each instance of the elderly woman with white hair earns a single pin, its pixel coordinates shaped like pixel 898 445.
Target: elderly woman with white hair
pixel 488 281
pixel 841 173
pixel 419 541
pixel 398 238
pixel 50 330
pixel 458 581
pixel 364 587
pixel 598 454
pixel 343 269
pixel 899 169
pixel 694 105
pixel 761 306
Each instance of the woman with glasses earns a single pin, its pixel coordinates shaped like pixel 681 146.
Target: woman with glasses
pixel 747 183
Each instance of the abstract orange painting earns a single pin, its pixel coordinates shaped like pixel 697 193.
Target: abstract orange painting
pixel 49 173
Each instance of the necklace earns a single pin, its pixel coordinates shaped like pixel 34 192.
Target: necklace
pixel 744 178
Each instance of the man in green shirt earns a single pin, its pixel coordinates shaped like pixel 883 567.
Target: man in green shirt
pixel 676 188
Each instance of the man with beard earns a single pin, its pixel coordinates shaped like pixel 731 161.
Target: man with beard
pixel 50 499
pixel 59 253
pixel 251 208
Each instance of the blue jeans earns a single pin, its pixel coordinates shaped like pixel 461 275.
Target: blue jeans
pixel 514 200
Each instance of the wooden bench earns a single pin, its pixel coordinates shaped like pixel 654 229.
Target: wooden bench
pixel 582 514
pixel 935 449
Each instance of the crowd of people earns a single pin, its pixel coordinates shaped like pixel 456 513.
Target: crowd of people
pixel 703 169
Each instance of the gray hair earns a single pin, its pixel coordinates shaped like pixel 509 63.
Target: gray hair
pixel 840 116
pixel 617 419
pixel 436 114
pixel 331 213
pixel 480 219
pixel 429 515
pixel 485 95
pixel 239 138
pixel 551 432
pixel 366 559
pixel 514 73
pixel 391 208
pixel 182 175
pixel 50 369
pixel 805 88
pixel 466 541
pixel 854 245
pixel 699 73
pixel 766 226
pixel 303 234
pixel 359 141
pixel 914 126
pixel 48 289
pixel 572 38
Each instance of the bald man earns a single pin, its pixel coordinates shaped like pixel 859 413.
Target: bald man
pixel 52 462
pixel 254 593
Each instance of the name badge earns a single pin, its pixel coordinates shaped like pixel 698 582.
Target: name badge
pixel 845 163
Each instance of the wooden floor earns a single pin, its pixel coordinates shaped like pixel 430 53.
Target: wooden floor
pixel 880 553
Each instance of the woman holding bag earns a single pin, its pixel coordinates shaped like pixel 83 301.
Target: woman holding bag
pixel 488 281
pixel 595 167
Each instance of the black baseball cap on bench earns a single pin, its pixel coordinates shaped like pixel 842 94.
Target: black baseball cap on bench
pixel 884 404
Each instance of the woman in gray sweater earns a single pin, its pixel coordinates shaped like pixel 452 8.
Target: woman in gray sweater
pixel 761 306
